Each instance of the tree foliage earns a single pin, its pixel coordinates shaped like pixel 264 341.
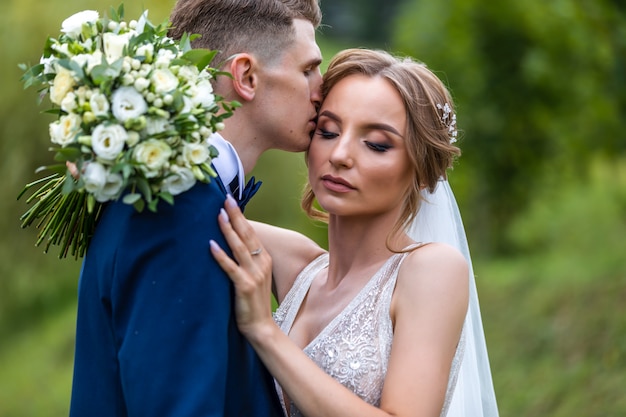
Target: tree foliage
pixel 364 22
pixel 540 87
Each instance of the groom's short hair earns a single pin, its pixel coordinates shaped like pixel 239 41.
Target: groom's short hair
pixel 261 27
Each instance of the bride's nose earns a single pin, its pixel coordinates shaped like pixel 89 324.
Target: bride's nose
pixel 341 154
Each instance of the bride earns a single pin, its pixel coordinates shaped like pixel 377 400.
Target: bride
pixel 386 322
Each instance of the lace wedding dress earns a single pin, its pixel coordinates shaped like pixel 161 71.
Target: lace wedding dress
pixel 354 347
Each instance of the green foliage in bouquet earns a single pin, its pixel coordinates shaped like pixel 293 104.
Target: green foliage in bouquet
pixel 135 114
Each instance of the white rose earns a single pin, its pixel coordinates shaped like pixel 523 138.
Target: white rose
pixel 180 181
pixel 195 153
pixel 114 45
pixel 64 131
pixel 63 82
pixel 111 188
pixel 128 103
pixel 73 25
pixel 94 176
pixel 202 94
pixel 69 103
pixel 99 104
pixel 108 141
pixel 152 154
pixel 164 81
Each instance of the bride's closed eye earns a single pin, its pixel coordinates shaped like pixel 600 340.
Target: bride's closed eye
pixel 326 134
pixel 378 147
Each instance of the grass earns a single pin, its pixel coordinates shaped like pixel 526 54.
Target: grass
pixel 557 347
pixel 37 368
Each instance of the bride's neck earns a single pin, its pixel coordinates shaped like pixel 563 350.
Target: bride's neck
pixel 354 244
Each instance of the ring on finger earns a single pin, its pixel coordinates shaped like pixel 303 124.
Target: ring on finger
pixel 256 252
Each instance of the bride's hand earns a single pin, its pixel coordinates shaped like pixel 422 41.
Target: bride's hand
pixel 251 273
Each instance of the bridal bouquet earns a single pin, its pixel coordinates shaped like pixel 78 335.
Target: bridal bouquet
pixel 135 112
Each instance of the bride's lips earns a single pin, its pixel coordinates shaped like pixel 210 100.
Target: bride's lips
pixel 336 184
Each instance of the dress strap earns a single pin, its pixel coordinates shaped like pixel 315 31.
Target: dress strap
pixel 284 314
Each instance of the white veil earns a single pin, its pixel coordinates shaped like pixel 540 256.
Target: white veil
pixel 439 220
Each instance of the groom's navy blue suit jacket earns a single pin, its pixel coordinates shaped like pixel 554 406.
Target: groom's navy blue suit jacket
pixel 156 332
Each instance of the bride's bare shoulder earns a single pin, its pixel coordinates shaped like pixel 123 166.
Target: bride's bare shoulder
pixel 433 268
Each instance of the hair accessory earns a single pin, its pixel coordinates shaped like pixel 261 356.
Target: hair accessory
pixel 449 120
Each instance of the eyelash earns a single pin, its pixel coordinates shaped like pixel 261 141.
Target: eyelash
pixel 326 134
pixel 378 147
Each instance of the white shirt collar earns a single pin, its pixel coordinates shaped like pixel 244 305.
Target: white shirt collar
pixel 227 164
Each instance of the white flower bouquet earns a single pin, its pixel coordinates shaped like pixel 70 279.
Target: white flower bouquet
pixel 135 114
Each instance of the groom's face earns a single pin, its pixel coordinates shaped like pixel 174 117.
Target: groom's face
pixel 289 92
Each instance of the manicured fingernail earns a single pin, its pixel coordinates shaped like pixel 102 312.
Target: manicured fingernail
pixel 230 201
pixel 224 216
pixel 214 245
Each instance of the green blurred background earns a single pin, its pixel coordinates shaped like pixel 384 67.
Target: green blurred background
pixel 541 93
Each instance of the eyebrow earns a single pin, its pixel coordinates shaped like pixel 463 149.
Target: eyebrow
pixel 316 62
pixel 371 126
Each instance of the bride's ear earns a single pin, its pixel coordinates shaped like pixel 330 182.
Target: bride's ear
pixel 243 69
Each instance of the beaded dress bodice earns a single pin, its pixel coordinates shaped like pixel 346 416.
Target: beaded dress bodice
pixel 354 347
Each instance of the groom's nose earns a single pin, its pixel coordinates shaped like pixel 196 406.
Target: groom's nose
pixel 316 90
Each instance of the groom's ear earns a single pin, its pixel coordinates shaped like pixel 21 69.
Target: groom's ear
pixel 243 69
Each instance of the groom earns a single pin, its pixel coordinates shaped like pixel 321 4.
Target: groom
pixel 156 335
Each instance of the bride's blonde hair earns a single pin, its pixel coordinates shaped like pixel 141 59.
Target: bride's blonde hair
pixel 431 120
